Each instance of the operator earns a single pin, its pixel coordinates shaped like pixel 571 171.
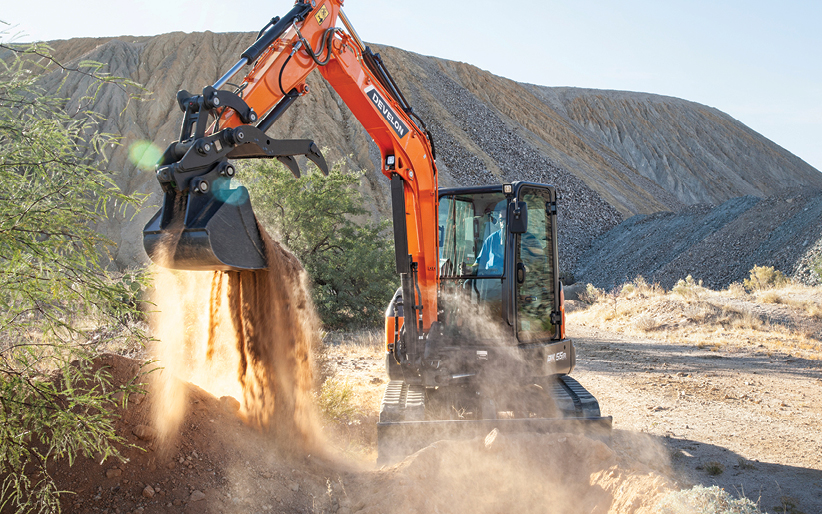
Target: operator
pixel 492 255
pixel 491 260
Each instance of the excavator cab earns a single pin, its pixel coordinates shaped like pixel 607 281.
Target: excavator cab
pixel 497 251
pixel 497 357
pixel 499 290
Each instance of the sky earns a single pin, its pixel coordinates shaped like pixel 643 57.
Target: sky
pixel 759 61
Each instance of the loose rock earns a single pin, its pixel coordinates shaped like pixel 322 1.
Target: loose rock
pixel 144 432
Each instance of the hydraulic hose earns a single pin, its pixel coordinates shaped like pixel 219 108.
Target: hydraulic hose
pixel 297 46
pixel 325 45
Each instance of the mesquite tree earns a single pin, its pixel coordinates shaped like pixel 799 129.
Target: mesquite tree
pixel 321 220
pixel 56 298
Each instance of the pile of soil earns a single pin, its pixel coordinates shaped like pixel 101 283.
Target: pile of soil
pixel 220 461
pixel 715 244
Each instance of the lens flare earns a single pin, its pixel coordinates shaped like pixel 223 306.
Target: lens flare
pixel 225 191
pixel 144 155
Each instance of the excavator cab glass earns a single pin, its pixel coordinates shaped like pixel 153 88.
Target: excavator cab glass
pixel 534 263
pixel 473 248
pixel 510 274
pixel 473 232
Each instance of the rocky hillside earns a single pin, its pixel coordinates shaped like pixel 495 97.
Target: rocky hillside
pixel 717 245
pixel 612 154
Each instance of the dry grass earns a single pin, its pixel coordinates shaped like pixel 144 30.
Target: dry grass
pixel 353 382
pixel 736 291
pixel 336 400
pixel 771 297
pixel 786 319
pixel 705 499
pixel 364 343
pixel 714 468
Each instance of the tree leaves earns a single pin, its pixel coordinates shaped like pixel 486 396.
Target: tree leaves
pixel 348 257
pixel 55 292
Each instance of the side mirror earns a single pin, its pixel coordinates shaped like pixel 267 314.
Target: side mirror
pixel 517 217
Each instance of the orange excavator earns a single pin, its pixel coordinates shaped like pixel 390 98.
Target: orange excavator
pixel 484 344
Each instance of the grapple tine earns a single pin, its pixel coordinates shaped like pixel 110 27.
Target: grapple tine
pixel 291 163
pixel 317 158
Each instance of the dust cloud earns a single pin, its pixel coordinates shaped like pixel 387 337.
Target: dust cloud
pixel 248 335
pixel 559 473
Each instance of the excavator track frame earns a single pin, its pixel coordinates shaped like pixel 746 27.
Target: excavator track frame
pixel 403 428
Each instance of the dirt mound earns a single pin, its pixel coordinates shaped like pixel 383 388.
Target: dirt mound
pixel 718 245
pixel 219 462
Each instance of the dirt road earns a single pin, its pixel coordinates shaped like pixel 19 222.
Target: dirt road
pixel 747 420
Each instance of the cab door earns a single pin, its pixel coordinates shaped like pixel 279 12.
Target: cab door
pixel 536 282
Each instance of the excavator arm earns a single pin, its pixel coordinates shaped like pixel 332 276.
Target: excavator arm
pixel 207 224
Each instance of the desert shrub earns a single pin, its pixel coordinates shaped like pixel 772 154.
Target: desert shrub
pixel 646 322
pixel 714 468
pixel 350 262
pixel 702 312
pixel 57 301
pixel 771 297
pixel 816 269
pixel 688 287
pixel 705 500
pixel 591 294
pixel 764 277
pixel 746 320
pixel 336 400
pixel 811 308
pixel 736 290
pixel 643 288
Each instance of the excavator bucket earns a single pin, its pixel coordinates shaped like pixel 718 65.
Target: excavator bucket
pixel 195 231
pixel 204 223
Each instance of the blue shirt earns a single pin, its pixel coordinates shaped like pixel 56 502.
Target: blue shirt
pixel 492 255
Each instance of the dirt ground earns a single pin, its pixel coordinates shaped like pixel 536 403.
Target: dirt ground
pixel 741 415
pixel 745 420
pixel 219 463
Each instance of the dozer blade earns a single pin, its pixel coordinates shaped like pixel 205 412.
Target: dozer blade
pixel 211 231
pixel 399 439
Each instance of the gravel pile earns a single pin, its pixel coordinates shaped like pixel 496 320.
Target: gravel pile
pixel 718 245
pixel 583 214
